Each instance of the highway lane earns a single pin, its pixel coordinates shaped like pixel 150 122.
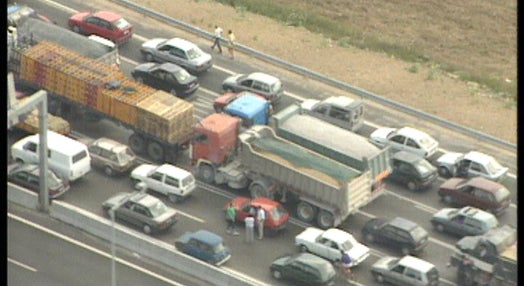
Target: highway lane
pixel 44 253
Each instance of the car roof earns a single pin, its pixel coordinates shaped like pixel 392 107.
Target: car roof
pixel 263 77
pixel 479 157
pixel 412 133
pixel 180 43
pixel 172 170
pixel 407 157
pixel 335 234
pixel 475 213
pixel 107 143
pixel 144 199
pixel 310 259
pixel 403 223
pixel 167 66
pixel 342 101
pixel 417 263
pixel 107 15
pixel 207 237
pixel 485 184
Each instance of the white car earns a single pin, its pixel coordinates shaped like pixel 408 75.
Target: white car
pixel 471 164
pixel 175 183
pixel 177 51
pixel 329 244
pixel 407 139
pixel 263 84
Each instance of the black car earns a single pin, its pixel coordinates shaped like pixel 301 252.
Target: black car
pixel 398 233
pixel 304 268
pixel 28 176
pixel 412 170
pixel 166 76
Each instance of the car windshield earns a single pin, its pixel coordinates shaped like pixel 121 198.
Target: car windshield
pixel 418 233
pixel 424 167
pixel 188 180
pixel 158 209
pixel 278 213
pixel 182 75
pixel 125 155
pixel 501 194
pixel 194 53
pixel 121 23
pixel 491 222
pixel 493 167
pixel 392 263
pixel 349 243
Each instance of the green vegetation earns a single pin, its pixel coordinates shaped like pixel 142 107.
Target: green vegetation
pixel 350 36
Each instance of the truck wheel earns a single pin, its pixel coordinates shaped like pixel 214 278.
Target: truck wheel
pixel 444 172
pixel 155 151
pixel 412 186
pixel 306 212
pixel 325 219
pixel 206 173
pixel 137 143
pixel 257 190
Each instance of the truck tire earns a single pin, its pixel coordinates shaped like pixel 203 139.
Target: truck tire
pixel 137 143
pixel 155 151
pixel 444 172
pixel 206 173
pixel 257 190
pixel 325 219
pixel 306 212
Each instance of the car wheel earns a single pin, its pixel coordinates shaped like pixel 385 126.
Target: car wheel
pixel 149 57
pixel 369 237
pixel 379 278
pixel 405 250
pixel 174 198
pixel 139 79
pixel 77 29
pixel 448 199
pixel 276 274
pixel 439 227
pixel 147 229
pixel 444 172
pixel 303 248
pixel 134 183
pixel 109 171
pixel 412 186
pixel 173 92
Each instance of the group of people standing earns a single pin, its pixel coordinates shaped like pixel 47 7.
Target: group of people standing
pixel 230 41
pixel 256 215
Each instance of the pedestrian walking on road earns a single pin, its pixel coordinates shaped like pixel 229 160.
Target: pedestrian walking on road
pixel 261 217
pixel 218 35
pixel 250 229
pixel 231 44
pixel 231 215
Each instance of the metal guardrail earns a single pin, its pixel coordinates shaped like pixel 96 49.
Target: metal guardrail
pixel 314 75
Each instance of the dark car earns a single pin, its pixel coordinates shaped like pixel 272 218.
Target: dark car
pixel 141 210
pixel 304 268
pixel 476 192
pixel 166 76
pixel 399 233
pixel 412 170
pixel 204 245
pixel 28 176
pixel 105 24
pixel 465 221
pixel 18 13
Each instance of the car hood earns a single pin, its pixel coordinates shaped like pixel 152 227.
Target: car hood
pixel 308 104
pixel 114 200
pixel 383 263
pixel 165 216
pixel 281 261
pixel 442 214
pixel 204 58
pixel 153 43
pixel 381 135
pixel 451 183
pixel 450 158
pixel 358 253
pixel 232 80
pixel 79 16
pixel 309 235
pixel 142 170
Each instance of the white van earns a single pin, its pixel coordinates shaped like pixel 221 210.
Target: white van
pixel 67 157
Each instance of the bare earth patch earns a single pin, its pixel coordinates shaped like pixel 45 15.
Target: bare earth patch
pixel 429 89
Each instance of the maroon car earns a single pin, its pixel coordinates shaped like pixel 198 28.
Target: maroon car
pixel 105 24
pixel 476 192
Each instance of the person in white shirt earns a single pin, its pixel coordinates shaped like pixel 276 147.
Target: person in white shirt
pixel 218 35
pixel 261 217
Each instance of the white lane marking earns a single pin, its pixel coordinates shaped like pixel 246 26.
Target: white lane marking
pixel 60 6
pixel 426 207
pixel 92 249
pixel 191 216
pixel 22 265
pixel 249 278
pixel 140 38
pixel 124 59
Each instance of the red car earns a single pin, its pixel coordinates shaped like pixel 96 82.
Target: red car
pixel 276 215
pixel 105 24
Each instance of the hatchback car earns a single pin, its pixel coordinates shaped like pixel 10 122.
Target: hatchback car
pixel 105 24
pixel 304 268
pixel 204 245
pixel 175 183
pixel 476 192
pixel 177 51
pixel 166 76
pixel 276 215
pixel 406 138
pixel 268 86
pixel 28 176
pixel 465 221
pixel 142 210
pixel 408 271
pixel 341 111
pixel 111 156
pixel 399 233
pixel 471 164
pixel 412 170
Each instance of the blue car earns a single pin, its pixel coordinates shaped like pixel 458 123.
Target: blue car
pixel 205 246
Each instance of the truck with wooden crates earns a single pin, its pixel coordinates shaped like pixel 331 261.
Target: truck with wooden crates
pixel 88 88
pixel 270 166
pixel 334 142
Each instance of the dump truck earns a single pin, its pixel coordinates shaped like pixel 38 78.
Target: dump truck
pixel 270 166
pixel 334 142
pixel 87 88
pixel 487 260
